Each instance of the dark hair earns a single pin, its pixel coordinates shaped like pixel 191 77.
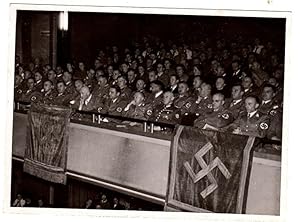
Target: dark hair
pixel 270 86
pixel 117 88
pixel 254 97
pixel 158 83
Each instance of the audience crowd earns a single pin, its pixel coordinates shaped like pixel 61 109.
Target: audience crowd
pixel 231 85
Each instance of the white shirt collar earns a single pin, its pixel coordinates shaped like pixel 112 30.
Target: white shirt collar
pixel 236 101
pixel 114 100
pixel 252 113
pixel 158 94
pixel 88 99
pixel 266 101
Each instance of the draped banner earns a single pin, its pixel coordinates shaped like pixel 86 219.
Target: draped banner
pixel 209 171
pixel 47 142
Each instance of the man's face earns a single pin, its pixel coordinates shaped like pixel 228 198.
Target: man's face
pixel 205 91
pixel 113 93
pixel 138 98
pixel 154 88
pixel 220 71
pixel 61 87
pixel 81 66
pixel 267 93
pixel 27 74
pixel 84 93
pixel 220 83
pixel 152 76
pixel 168 98
pixel 182 88
pixel 18 80
pixel 273 82
pixel 30 83
pixel 97 64
pixel 173 80
pixel 141 69
pixel 116 74
pixel 51 75
pixel 235 66
pixel 140 84
pixel 121 82
pixel 167 64
pixel 247 82
pixel 236 92
pixel 37 76
pixel 58 70
pixel 78 85
pixel 102 81
pixel 131 75
pixel 99 73
pixel 66 77
pixel 179 70
pixel 251 104
pixel 149 63
pixel 124 68
pixel 197 83
pixel 110 70
pixel 217 102
pixel 196 71
pixel 47 86
pixel 160 68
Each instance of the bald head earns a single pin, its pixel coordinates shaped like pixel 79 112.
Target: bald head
pixel 84 92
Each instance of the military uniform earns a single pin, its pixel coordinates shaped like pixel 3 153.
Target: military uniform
pixel 265 108
pixel 164 78
pixel 154 102
pixel 39 86
pixel 166 114
pixel 48 98
pixel 70 89
pixel 62 99
pixel 101 92
pixel 18 90
pixel 113 107
pixel 256 125
pixel 181 100
pixel 235 107
pixel 142 111
pixel 30 95
pixel 126 93
pixel 217 119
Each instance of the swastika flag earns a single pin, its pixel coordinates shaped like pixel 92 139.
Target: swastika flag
pixel 208 171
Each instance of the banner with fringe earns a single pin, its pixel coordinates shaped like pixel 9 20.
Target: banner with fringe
pixel 209 171
pixel 47 142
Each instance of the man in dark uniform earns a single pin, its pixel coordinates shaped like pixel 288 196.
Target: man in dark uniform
pixel 101 90
pixel 236 104
pixel 52 77
pixel 183 96
pixel 275 129
pixel 62 98
pixel 166 112
pixel 252 122
pixel 197 81
pixel 137 108
pixel 30 95
pixel 156 96
pixel 218 118
pixel 67 77
pixel 268 103
pixel 49 93
pixel 161 75
pixel 125 90
pixel 38 85
pixel 131 76
pixel 18 89
pixel 249 89
pixel 141 87
pixel 173 84
pixel 200 106
pixel 115 104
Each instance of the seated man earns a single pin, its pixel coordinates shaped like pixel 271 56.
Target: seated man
pixel 87 101
pixel 252 122
pixel 183 98
pixel 268 102
pixel 235 104
pixel 49 93
pixel 166 112
pixel 30 95
pixel 218 118
pixel 137 108
pixel 62 98
pixel 115 104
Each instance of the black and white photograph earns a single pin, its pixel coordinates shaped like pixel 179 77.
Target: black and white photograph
pixel 161 111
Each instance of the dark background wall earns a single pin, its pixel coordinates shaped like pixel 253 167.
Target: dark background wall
pixel 88 32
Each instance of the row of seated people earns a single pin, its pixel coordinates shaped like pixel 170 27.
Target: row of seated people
pixel 199 106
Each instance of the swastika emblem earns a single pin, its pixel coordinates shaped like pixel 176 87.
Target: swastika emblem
pixel 206 170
